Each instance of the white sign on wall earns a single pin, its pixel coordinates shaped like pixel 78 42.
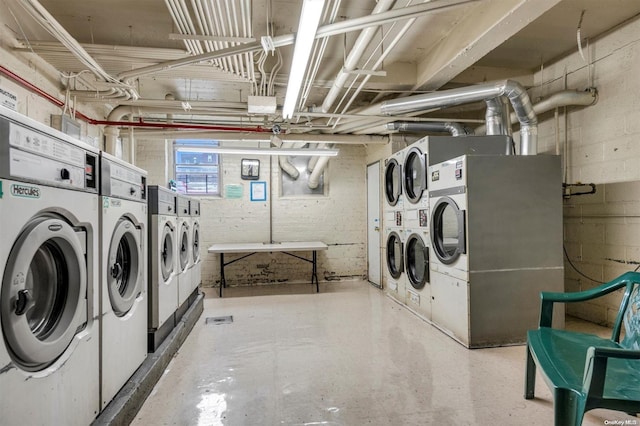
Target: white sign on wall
pixel 8 99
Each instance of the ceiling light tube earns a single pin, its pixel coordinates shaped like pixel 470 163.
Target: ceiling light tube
pixel 263 151
pixel 307 27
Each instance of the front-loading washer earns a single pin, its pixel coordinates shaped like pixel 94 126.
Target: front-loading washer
pixel 123 268
pixel 183 249
pixel 49 302
pixel 162 264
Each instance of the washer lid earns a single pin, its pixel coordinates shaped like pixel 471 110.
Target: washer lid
pixel 124 268
pixel 392 181
pixel 416 261
pixel 44 287
pixel 395 262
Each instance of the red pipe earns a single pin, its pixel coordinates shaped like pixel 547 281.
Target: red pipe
pixel 140 124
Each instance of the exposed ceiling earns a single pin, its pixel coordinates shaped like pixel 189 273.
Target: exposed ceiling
pixel 153 53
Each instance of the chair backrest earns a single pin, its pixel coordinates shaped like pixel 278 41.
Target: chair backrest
pixel 631 318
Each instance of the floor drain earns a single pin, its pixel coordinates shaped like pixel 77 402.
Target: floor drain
pixel 219 320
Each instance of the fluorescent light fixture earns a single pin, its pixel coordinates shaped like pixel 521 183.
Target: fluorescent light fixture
pixel 307 27
pixel 263 151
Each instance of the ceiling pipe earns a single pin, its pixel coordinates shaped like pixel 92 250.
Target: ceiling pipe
pixel 120 112
pixel 513 90
pixel 382 57
pixel 288 39
pixel 454 129
pixel 559 99
pixel 351 62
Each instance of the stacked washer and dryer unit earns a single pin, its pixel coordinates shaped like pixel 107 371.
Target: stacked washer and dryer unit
pixel 49 261
pixel 496 233
pixel 417 248
pixel 461 195
pixel 394 278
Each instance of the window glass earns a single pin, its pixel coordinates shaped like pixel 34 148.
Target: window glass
pixel 197 172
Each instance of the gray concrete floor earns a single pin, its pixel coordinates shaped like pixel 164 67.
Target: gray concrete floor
pixel 347 356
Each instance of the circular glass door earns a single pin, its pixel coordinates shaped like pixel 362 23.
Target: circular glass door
pixel 184 247
pixel 123 269
pixel 417 261
pixel 392 181
pixel 415 175
pixel 195 243
pixel 447 230
pixel 43 292
pixel 395 265
pixel 166 252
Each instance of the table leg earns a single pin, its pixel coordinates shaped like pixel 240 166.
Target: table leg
pixel 314 271
pixel 223 282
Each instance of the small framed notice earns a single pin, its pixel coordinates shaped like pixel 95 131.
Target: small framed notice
pixel 258 191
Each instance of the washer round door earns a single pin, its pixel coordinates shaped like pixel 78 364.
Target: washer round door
pixel 415 175
pixel 395 263
pixel 392 181
pixel 447 230
pixel 167 257
pixel 44 287
pixel 416 260
pixel 183 245
pixel 124 278
pixel 195 242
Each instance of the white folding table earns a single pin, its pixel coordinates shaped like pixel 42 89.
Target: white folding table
pixel 284 247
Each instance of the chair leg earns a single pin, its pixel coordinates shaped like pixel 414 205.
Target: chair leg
pixel 565 408
pixel 530 376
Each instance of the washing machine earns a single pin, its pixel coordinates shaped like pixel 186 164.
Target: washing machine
pixel 196 259
pixel 49 302
pixel 183 249
pixel 496 243
pixel 162 264
pixel 123 269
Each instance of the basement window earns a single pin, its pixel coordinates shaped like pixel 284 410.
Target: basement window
pixel 197 171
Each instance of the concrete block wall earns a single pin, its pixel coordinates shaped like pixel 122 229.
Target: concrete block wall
pixel 338 219
pixel 601 234
pixel 602 231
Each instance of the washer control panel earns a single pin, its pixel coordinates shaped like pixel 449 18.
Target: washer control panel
pixel 31 151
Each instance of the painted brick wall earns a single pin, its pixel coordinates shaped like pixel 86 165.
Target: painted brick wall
pixel 602 231
pixel 41 74
pixel 338 219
